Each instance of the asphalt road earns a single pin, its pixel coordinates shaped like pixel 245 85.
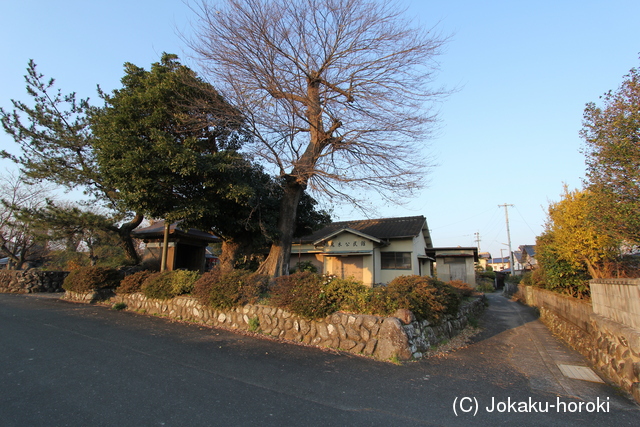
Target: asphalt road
pixel 65 364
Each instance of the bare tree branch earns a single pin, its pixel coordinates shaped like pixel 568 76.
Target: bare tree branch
pixel 339 91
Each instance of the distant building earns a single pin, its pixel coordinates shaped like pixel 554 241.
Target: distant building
pixel 483 259
pixel 499 264
pixel 525 258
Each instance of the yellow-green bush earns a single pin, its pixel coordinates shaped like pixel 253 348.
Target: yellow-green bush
pixel 347 295
pixel 169 284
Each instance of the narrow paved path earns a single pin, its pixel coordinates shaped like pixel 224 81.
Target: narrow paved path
pixel 64 364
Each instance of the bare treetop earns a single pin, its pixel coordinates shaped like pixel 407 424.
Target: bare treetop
pixel 338 91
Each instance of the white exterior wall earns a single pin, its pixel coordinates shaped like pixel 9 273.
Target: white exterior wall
pixel 405 245
pixel 352 245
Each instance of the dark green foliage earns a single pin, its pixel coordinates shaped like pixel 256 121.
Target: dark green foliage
pixel 167 142
pixel 169 284
pixel 305 266
pixel 57 145
pixel 119 306
pixel 489 274
pixel 227 290
pixel 428 298
pixel 88 279
pixel 133 282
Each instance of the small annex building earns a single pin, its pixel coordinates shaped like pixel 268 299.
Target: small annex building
pixel 186 248
pixel 373 251
pixel 456 263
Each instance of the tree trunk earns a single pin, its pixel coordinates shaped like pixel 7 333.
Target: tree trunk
pixel 230 251
pixel 277 262
pixel 126 241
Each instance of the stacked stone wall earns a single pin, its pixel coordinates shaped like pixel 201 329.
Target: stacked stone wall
pixel 612 347
pixel 31 281
pixel 383 338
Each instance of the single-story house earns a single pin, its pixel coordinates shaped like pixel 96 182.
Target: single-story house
pixel 186 248
pixel 456 263
pixel 373 251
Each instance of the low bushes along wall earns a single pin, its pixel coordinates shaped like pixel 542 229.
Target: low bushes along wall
pixel 31 281
pixel 383 338
pixel 613 348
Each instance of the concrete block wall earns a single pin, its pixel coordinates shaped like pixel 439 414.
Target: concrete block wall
pixel 618 300
pixel 612 346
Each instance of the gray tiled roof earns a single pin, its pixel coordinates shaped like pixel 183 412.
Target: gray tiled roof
pixel 156 230
pixel 384 228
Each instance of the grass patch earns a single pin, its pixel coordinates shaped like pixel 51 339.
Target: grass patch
pixel 119 306
pixel 254 324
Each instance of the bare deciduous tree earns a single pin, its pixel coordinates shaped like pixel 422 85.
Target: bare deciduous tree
pixel 338 93
pixel 19 240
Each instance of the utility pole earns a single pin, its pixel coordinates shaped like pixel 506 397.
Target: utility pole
pixel 512 265
pixel 477 234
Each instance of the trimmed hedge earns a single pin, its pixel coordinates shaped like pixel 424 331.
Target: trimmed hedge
pixel 169 284
pixel 226 290
pixel 302 293
pixel 428 298
pixel 89 279
pixel 314 296
pixel 133 282
pixel 307 294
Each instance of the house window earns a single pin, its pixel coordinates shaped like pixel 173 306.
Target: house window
pixel 395 260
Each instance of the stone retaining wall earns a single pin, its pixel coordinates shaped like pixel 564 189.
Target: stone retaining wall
pixel 383 338
pixel 613 348
pixel 31 281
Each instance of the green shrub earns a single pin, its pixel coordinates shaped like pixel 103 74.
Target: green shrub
pixel 527 279
pixel 347 295
pixel 305 266
pixel 232 289
pixel 169 284
pixel 88 279
pixel 133 282
pixel 119 306
pixel 428 298
pixel 485 286
pixel 182 281
pixel 380 302
pixel 302 293
pixel 489 274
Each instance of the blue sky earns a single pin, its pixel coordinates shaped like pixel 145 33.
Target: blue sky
pixel 524 72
